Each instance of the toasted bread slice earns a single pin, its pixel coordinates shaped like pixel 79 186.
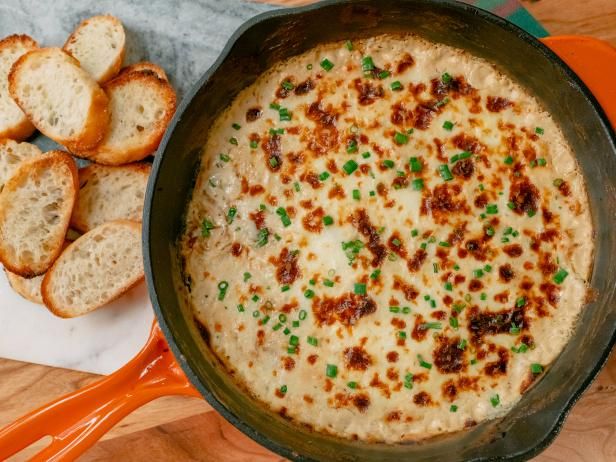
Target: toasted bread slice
pixel 13 122
pixel 109 193
pixel 141 107
pixel 35 210
pixel 11 154
pixel 30 289
pixel 95 269
pixel 60 98
pixel 98 44
pixel 145 66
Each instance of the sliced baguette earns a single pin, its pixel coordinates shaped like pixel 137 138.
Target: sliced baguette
pixel 35 210
pixel 60 98
pixel 11 154
pixel 13 122
pixel 141 107
pixel 109 193
pixel 145 66
pixel 95 269
pixel 30 289
pixel 98 44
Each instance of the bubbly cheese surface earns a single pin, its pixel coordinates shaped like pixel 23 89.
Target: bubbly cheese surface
pixel 388 239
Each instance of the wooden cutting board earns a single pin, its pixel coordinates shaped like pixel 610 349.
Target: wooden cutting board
pixel 187 429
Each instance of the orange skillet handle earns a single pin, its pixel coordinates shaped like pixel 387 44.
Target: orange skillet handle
pixel 76 421
pixel 594 61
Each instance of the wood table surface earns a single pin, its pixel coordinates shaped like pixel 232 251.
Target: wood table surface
pixel 187 429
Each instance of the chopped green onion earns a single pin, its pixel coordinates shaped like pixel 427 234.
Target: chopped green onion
pixel 284 218
pixel 531 213
pixel 520 302
pixel 349 45
pixel 492 209
pixel 295 324
pixel 536 368
pixel 222 289
pixel 360 289
pixel 285 115
pixel 487 268
pixel 262 237
pixel 541 162
pixel 273 162
pixel 356 194
pixel 423 363
pixel 414 232
pixel 313 341
pixel 324 176
pixel 446 78
pixel 560 276
pixel 352 385
pixel 236 126
pixel 406 310
pixel 294 340
pixel 462 344
pixel 418 184
pixel 331 371
pixel 523 348
pixel 478 273
pixel 302 315
pixel 350 166
pixel 445 173
pixel 508 160
pixel 432 303
pixel 327 220
pixel 367 64
pixel 328 283
pixel 287 85
pixel 254 144
pixel 231 214
pixel 233 140
pixel 327 65
pixel 388 163
pixel 435 267
pixel 448 125
pixel 444 244
pixel 255 298
pixel 375 274
pixel 401 334
pixel 241 308
pixel 514 329
pixel 396 86
pixel 394 309
pixel 495 400
pixel 206 227
pixel 366 155
pixel 539 131
pixel 408 381
pixel 401 138
pixel 415 164
pixel 448 286
pixel 309 67
pixel 453 408
pixel 431 325
pixel 384 74
pixel 224 157
pixel 285 288
pixel 453 322
pixel 309 293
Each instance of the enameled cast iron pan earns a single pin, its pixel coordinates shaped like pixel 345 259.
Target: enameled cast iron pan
pixel 75 422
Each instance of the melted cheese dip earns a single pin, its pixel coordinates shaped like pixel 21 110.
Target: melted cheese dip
pixel 388 239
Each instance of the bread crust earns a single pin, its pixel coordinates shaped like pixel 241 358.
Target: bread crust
pixel 114 68
pixel 48 160
pixel 24 128
pixel 108 155
pixel 97 120
pixel 145 66
pixel 63 312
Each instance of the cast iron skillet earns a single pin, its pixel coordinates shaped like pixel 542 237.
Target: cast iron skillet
pixel 270 37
